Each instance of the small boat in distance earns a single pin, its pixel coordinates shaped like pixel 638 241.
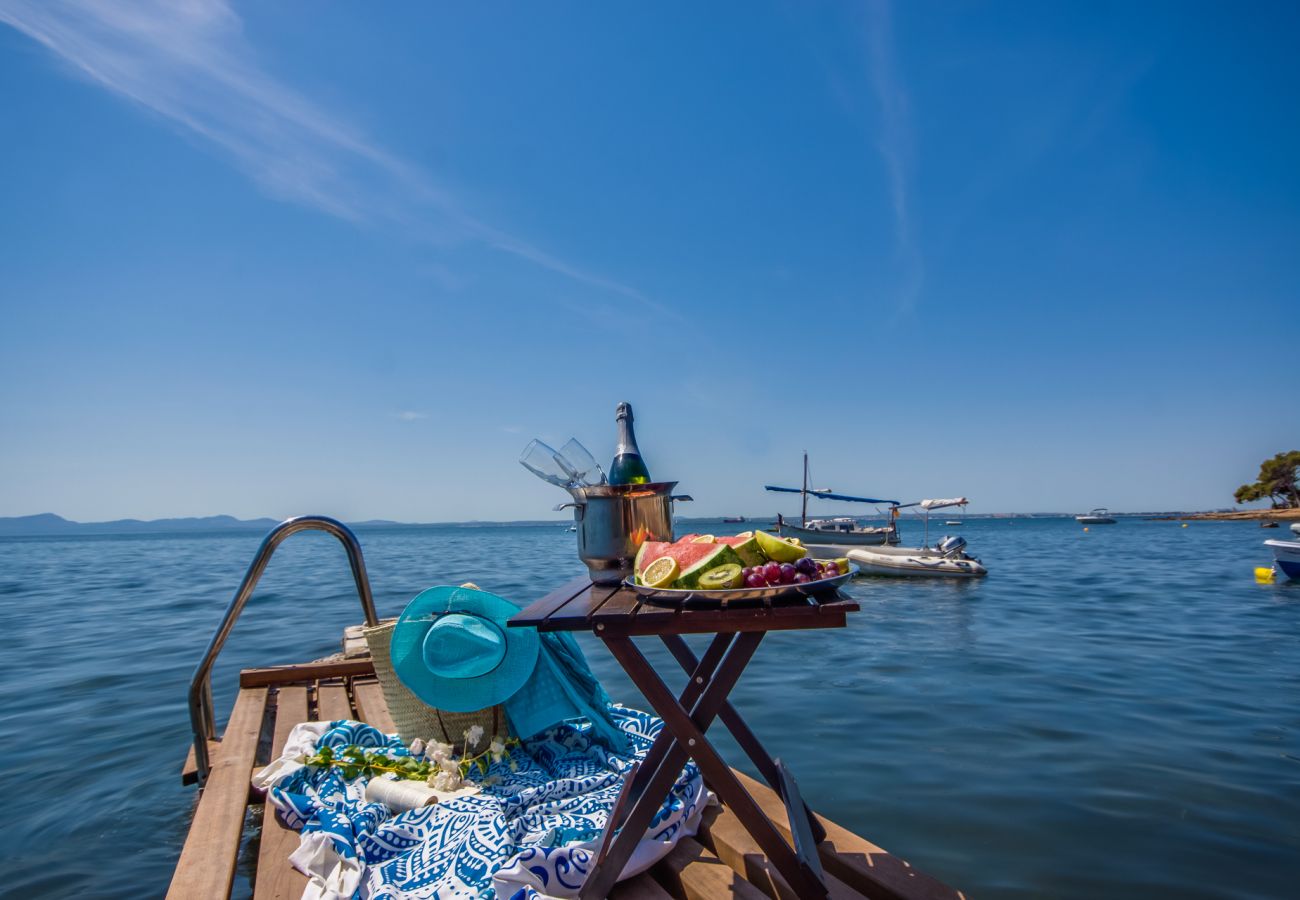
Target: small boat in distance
pixel 733 518
pixel 842 531
pixel 1295 527
pixel 1099 516
pixel 1268 523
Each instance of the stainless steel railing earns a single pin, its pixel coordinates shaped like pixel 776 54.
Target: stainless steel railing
pixel 201 714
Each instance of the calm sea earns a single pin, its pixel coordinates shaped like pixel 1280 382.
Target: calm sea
pixel 1109 714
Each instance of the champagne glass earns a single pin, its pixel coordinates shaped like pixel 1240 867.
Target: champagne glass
pixel 544 462
pixel 585 468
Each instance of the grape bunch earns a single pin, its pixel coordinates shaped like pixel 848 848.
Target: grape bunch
pixel 802 571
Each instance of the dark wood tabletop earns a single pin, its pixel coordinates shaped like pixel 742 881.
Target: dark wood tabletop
pixel 616 610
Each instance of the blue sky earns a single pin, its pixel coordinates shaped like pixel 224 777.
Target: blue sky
pixel 267 259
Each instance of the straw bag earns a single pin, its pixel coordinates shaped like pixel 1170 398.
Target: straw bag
pixel 415 718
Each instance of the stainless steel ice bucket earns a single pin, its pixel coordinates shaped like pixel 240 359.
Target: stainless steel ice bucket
pixel 614 520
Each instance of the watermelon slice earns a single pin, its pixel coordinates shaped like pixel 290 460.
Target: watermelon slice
pixel 746 547
pixel 693 559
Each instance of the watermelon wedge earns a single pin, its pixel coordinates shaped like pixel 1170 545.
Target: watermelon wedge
pixel 693 559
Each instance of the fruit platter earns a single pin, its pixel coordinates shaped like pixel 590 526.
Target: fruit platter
pixel 753 566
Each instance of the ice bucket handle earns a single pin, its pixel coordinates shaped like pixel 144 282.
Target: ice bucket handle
pixel 682 497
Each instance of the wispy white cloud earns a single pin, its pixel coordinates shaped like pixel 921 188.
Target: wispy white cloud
pixel 895 145
pixel 188 61
pixel 410 415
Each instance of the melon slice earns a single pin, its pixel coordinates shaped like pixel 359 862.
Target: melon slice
pixel 746 547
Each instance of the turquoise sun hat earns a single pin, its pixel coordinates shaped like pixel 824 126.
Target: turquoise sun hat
pixel 452 649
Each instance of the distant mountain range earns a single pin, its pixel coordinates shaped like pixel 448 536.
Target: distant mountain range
pixel 49 523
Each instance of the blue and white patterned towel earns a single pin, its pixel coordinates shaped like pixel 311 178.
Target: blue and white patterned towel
pixel 533 832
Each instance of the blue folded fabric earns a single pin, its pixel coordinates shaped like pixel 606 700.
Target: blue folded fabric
pixel 562 687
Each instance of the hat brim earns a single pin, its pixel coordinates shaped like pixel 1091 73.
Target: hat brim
pixel 461 694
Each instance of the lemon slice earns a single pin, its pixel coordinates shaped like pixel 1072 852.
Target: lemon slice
pixel 661 573
pixel 724 576
pixel 704 539
pixel 779 549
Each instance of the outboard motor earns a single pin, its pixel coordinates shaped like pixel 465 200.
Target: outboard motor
pixel 951 546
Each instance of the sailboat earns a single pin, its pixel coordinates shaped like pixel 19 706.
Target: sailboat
pixel 839 531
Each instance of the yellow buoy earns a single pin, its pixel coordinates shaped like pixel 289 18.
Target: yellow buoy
pixel 1184 524
pixel 1264 574
pixel 1085 527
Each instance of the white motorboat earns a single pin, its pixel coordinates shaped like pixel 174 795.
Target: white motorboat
pixel 843 531
pixel 1099 516
pixel 1295 527
pixel 946 559
pixel 1286 557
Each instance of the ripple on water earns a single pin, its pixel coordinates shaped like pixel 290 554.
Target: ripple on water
pixel 1080 724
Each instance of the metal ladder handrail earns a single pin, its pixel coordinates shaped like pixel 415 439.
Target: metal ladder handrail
pixel 201 713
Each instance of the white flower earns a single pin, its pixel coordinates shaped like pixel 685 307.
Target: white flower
pixel 473 736
pixel 417 747
pixel 450 766
pixel 514 766
pixel 447 781
pixel 435 751
pixel 497 748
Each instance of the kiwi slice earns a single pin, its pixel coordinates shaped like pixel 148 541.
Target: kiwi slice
pixel 727 575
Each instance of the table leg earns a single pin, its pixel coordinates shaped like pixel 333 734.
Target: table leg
pixel 747 740
pixel 701 672
pixel 688 729
pixel 711 694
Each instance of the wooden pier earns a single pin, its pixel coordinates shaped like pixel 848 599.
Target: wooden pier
pixel 722 860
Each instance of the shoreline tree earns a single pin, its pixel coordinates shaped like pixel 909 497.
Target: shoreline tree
pixel 1279 481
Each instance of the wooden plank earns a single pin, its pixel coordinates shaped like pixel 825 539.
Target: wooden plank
pixel 689 872
pixel 577 613
pixel 302 672
pixel 207 864
pixel 372 707
pixel 854 860
pixel 190 768
pixel 537 612
pixel 276 879
pixel 639 887
pixel 723 834
pixel 332 701
pixel 708 621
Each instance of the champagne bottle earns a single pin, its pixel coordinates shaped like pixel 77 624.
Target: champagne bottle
pixel 628 466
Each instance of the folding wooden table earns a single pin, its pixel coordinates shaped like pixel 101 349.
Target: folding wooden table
pixel 618 614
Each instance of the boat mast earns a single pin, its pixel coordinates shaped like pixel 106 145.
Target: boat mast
pixel 803 517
